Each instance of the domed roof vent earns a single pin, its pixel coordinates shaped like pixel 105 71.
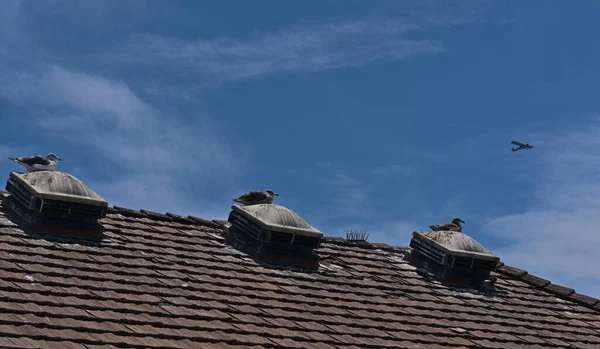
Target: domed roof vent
pixel 277 217
pixel 274 234
pixel 454 257
pixel 57 202
pixel 456 241
pixel 57 184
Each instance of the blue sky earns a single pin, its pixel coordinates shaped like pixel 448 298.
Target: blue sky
pixel 386 116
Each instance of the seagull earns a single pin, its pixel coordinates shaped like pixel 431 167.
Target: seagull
pixel 256 197
pixel 38 162
pixel 453 226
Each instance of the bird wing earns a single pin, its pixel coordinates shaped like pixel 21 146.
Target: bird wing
pixel 253 196
pixel 444 227
pixel 437 227
pixel 517 143
pixel 454 227
pixel 33 160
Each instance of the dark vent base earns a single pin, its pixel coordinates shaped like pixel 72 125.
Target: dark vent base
pixel 444 274
pixel 307 262
pixel 458 269
pixel 270 247
pixel 73 211
pixel 52 221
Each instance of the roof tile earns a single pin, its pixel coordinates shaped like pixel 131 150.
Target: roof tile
pixel 205 222
pixel 559 290
pixel 179 219
pixel 128 212
pixel 288 343
pixel 168 281
pixel 580 298
pixel 535 281
pixel 511 271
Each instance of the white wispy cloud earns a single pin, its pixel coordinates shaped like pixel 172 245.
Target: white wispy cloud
pixel 57 87
pixel 306 47
pixel 346 194
pixel 107 115
pixel 557 238
pixel 147 156
pixel 97 102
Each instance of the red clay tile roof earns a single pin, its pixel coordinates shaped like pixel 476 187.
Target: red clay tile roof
pixel 166 281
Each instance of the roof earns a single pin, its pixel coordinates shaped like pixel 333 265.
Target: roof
pixel 166 281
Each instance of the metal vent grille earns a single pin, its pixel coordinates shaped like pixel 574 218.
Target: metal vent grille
pixel 470 263
pixel 245 225
pixel 428 250
pixel 274 247
pixel 454 264
pixel 253 231
pixel 287 239
pixel 20 194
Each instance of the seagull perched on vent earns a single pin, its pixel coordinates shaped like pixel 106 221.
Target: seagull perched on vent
pixel 256 197
pixel 38 162
pixel 452 226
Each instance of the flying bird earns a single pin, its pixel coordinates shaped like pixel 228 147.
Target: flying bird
pixel 452 226
pixel 38 162
pixel 521 146
pixel 256 197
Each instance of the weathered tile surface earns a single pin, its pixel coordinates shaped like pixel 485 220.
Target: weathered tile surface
pixel 167 281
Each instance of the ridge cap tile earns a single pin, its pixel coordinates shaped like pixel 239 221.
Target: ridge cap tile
pixel 205 222
pixel 382 246
pixel 180 218
pixel 333 239
pixel 128 212
pixel 535 280
pixel 156 215
pixel 511 271
pixel 559 290
pixel 221 222
pixel 583 299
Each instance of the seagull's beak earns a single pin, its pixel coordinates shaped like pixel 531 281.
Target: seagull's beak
pixel 275 194
pixel 462 221
pixel 59 159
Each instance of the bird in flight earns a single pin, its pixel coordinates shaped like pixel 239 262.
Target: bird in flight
pixel 521 146
pixel 452 226
pixel 38 162
pixel 256 197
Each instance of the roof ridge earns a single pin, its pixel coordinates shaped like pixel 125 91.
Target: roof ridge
pixel 336 240
pixel 217 223
pixel 562 292
pixel 165 217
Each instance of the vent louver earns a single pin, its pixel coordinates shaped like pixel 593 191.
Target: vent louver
pixel 453 256
pixel 54 202
pixel 274 234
